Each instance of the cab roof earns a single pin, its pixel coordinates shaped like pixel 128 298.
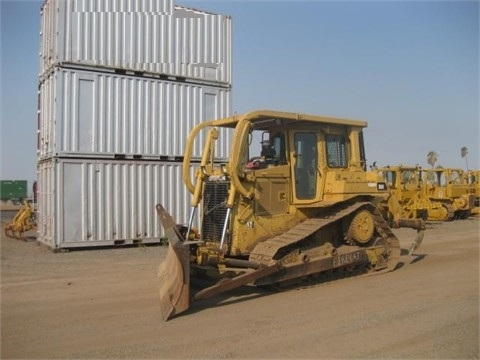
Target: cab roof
pixel 268 118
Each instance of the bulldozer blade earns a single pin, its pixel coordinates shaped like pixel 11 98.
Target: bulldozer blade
pixel 174 271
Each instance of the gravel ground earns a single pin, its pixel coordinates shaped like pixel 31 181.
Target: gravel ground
pixel 104 304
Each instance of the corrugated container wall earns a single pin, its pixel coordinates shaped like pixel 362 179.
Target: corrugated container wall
pixel 145 36
pixel 101 114
pixel 85 203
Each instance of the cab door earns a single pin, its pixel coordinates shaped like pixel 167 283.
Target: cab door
pixel 305 167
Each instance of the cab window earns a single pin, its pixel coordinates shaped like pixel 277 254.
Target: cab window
pixel 336 151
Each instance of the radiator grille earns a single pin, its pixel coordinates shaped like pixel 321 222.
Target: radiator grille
pixel 215 195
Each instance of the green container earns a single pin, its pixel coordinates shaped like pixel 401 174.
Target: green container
pixel 13 190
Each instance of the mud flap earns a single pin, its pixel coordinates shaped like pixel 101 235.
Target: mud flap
pixel 174 271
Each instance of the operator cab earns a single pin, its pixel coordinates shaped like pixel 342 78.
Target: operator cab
pixel 270 151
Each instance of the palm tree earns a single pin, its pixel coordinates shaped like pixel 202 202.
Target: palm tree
pixel 464 153
pixel 432 158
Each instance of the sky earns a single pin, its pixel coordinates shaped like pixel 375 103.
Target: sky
pixel 408 68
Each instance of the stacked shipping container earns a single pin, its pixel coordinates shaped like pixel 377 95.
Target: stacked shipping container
pixel 121 84
pixel 93 202
pixel 93 113
pixel 149 36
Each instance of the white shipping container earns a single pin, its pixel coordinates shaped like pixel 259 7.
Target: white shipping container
pixel 83 203
pixel 147 36
pixel 202 45
pixel 104 114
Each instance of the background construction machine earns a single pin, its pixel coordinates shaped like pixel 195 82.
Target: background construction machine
pixel 23 221
pixel 302 204
pixel 472 177
pixel 449 186
pixel 406 183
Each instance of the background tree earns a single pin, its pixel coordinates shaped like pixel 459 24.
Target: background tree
pixel 432 158
pixel 464 153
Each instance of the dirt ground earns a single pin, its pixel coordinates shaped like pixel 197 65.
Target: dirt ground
pixel 104 304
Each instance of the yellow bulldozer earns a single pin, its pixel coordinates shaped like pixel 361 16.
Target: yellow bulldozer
pixel 292 200
pixel 449 186
pixel 406 183
pixel 473 179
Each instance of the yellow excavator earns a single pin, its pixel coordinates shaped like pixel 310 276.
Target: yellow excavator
pixel 300 204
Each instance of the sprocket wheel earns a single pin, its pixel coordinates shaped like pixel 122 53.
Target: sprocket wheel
pixel 362 227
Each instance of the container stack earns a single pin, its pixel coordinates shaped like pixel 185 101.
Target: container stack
pixel 121 84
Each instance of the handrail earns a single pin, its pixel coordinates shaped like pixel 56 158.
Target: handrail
pixel 237 153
